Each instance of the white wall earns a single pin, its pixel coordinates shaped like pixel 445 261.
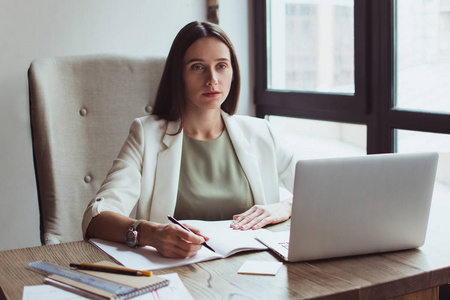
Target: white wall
pixel 47 28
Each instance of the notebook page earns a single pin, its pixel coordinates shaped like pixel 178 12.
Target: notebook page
pixel 225 240
pixel 147 258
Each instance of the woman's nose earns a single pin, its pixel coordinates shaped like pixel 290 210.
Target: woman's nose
pixel 212 78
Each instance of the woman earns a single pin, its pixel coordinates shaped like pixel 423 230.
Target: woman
pixel 192 158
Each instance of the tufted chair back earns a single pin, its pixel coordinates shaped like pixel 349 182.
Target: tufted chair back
pixel 81 108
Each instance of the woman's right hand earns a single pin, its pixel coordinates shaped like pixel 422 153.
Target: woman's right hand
pixel 171 240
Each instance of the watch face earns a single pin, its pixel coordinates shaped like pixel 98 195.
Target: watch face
pixel 131 237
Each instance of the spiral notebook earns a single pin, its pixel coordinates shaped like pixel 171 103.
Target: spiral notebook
pixel 143 284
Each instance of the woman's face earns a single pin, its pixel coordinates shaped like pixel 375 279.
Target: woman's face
pixel 207 74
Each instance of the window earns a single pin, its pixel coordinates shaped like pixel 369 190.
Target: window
pixel 381 65
pixel 311 46
pixel 423 55
pixel 317 139
pixel 310 60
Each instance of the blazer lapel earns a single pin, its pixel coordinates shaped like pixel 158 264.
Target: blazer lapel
pixel 167 175
pixel 247 160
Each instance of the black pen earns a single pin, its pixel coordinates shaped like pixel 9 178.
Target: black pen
pixel 175 221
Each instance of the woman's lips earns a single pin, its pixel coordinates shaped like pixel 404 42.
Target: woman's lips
pixel 211 94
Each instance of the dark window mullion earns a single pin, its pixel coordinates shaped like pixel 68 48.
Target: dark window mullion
pixel 361 27
pixel 340 108
pixel 311 101
pixel 419 121
pixel 380 135
pixel 260 23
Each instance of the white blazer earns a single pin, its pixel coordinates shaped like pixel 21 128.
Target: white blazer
pixel 146 171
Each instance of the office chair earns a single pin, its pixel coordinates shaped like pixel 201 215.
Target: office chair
pixel 81 108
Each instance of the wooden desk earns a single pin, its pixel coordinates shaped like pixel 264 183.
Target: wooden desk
pixel 380 276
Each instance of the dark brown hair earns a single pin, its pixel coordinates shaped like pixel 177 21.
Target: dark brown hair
pixel 170 98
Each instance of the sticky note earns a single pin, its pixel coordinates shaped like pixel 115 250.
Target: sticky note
pixel 260 267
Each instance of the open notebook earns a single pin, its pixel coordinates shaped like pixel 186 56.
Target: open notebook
pixel 223 239
pixel 357 205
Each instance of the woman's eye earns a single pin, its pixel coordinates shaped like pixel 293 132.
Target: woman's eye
pixel 196 67
pixel 222 66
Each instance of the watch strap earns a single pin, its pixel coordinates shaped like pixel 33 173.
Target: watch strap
pixel 136 224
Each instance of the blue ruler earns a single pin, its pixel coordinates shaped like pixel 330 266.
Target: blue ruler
pixel 114 287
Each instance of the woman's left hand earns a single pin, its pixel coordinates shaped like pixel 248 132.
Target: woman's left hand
pixel 259 216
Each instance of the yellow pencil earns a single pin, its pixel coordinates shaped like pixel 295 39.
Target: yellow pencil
pixel 111 269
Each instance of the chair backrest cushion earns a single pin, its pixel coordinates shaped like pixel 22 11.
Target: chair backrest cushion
pixel 81 108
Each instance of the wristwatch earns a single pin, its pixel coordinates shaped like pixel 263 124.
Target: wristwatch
pixel 131 235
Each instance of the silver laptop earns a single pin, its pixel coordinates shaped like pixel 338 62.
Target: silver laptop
pixel 358 205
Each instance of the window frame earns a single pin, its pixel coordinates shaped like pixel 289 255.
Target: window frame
pixel 372 104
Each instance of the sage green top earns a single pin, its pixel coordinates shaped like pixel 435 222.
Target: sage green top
pixel 212 184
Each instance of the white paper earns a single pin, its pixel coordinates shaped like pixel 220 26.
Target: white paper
pixel 175 290
pixel 254 267
pixel 47 292
pixel 223 239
